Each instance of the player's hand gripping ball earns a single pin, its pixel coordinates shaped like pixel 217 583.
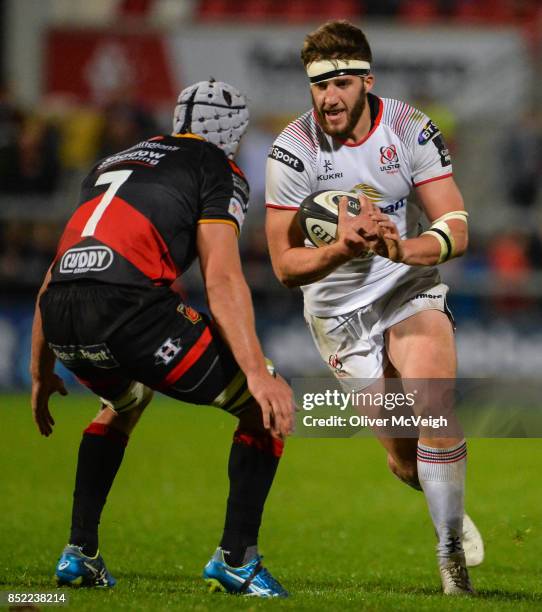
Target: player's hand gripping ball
pixel 319 215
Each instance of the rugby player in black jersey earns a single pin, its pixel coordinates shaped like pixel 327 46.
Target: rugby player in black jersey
pixel 107 312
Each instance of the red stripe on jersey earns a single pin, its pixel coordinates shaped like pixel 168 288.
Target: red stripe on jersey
pixel 371 131
pixel 403 116
pixel 72 232
pixel 236 168
pixel 189 359
pixel 281 207
pixel 132 235
pixel 436 178
pixel 129 233
pixel 299 134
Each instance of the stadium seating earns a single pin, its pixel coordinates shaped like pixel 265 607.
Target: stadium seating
pixel 419 11
pixel 479 12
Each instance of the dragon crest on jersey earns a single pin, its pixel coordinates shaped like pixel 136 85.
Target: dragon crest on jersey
pixel 187 311
pixel 214 110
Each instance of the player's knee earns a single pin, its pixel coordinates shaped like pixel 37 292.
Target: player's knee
pixel 251 419
pixel 406 471
pixel 124 412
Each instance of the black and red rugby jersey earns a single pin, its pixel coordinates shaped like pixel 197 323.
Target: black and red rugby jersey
pixel 137 217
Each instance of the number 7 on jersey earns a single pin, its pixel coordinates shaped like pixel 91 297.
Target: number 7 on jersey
pixel 115 180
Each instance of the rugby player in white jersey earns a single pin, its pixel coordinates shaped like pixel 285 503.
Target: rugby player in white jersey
pixel 377 315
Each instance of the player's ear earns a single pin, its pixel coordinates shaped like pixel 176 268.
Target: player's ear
pixel 369 82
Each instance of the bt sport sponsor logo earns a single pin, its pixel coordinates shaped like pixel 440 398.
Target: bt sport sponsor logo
pixel 286 158
pixel 429 131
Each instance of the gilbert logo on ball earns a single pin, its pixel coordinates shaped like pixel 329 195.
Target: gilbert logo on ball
pixel 319 215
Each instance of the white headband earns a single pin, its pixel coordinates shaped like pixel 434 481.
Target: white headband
pixel 324 70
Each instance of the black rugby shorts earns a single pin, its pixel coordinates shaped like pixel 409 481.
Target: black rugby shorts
pixel 109 336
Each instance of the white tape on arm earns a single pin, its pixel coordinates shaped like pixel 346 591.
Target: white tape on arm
pixel 442 232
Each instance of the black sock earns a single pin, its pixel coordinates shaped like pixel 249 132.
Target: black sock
pixel 100 455
pixel 251 469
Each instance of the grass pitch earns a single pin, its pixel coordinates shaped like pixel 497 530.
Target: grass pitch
pixel 339 531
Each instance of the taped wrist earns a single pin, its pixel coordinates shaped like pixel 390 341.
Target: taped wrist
pixel 442 232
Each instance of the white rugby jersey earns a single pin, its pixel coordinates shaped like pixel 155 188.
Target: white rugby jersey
pixel 403 149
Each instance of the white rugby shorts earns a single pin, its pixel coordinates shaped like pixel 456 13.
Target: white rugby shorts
pixel 353 344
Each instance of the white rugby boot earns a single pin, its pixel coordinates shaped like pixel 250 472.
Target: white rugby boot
pixel 473 545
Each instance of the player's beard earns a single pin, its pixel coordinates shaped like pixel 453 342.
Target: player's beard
pixel 353 116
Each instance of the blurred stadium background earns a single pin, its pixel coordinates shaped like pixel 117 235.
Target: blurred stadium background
pixel 79 80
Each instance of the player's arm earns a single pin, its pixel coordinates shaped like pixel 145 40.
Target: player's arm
pixel 230 304
pixel 447 236
pixel 296 265
pixel 287 183
pixel 42 363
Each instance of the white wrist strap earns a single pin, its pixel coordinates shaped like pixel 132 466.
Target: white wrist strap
pixel 442 232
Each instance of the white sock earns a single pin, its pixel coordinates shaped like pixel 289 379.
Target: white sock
pixel 442 475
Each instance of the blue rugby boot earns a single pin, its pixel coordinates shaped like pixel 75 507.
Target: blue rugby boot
pixel 251 579
pixel 76 569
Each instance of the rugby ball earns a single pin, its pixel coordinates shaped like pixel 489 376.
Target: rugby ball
pixel 319 215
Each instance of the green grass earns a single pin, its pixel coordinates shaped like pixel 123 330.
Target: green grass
pixel 339 531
